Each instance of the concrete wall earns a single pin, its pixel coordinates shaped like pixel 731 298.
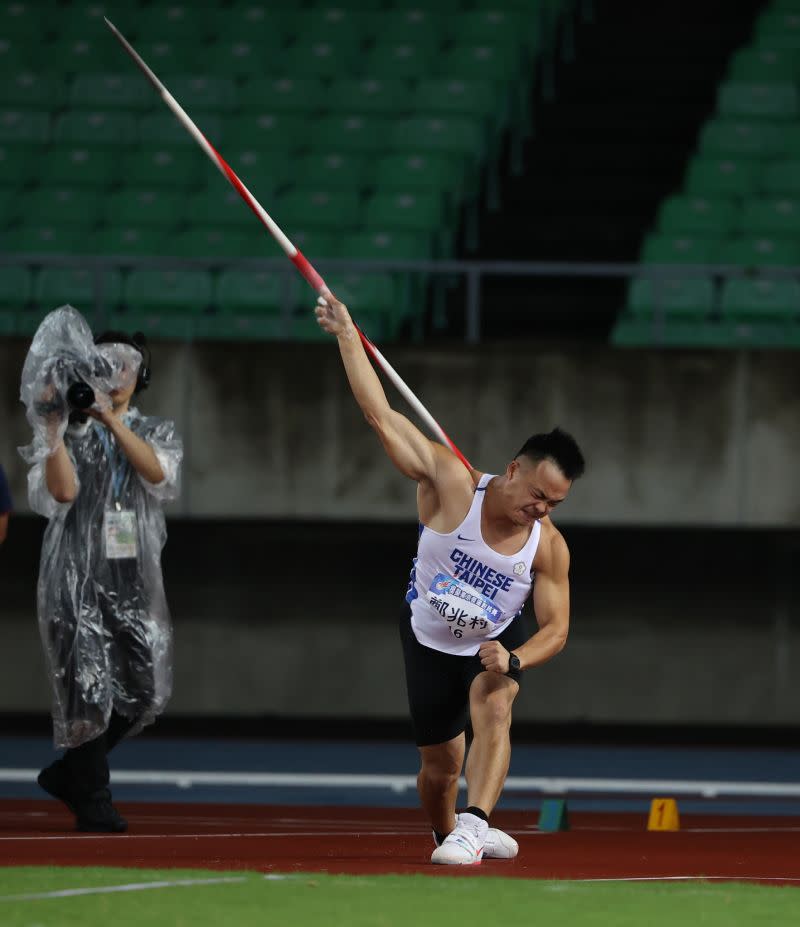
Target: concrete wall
pixel 671 437
pixel 300 620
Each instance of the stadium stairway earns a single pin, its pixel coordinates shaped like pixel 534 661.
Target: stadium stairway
pixel 633 84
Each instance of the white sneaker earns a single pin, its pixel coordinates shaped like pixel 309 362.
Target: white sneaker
pixel 497 845
pixel 464 845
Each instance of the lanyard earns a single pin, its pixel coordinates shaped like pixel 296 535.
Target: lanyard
pixel 117 463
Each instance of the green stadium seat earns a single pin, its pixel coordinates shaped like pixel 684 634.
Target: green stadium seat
pixel 79 166
pixel 31 21
pixel 188 291
pixel 219 204
pixel 260 22
pixel 759 252
pixel 198 93
pixel 781 178
pixel 340 22
pixel 761 299
pixel 169 58
pixel 404 211
pixel 87 17
pixel 22 126
pixel 369 95
pixel 12 56
pixel 160 322
pixel 392 59
pixel 697 215
pixel 55 286
pixel 87 52
pixel 164 130
pixel 19 161
pixel 282 94
pixel 156 168
pixel 268 129
pixel 686 297
pixel 63 206
pixel 442 134
pixel 417 171
pixel 26 90
pixel 680 249
pixel 243 57
pixel 767 101
pixel 259 170
pixel 441 6
pixel 669 332
pixel 144 208
pixel 180 21
pixel 207 243
pixel 778 216
pixel 763 65
pixel 418 23
pixel 777 24
pixel 715 176
pixel 123 240
pixel 454 97
pixel 331 171
pixel 11 204
pixel 387 246
pixel 355 132
pixel 496 25
pixel 479 61
pixel 252 291
pixel 45 238
pixel 310 57
pixel 791 140
pixel 315 244
pixel 319 209
pixel 95 127
pixel 109 90
pixel 371 298
pixel 16 288
pixel 734 138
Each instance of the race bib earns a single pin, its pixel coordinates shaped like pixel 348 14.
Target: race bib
pixel 119 529
pixel 463 609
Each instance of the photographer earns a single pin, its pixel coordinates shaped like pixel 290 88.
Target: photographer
pixel 100 475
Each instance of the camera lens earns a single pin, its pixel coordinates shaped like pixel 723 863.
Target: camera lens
pixel 80 395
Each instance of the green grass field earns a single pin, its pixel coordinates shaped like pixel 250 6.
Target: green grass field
pixel 312 900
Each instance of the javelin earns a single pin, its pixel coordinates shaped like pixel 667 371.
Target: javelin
pixel 295 256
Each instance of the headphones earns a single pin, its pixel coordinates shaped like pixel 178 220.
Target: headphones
pixel 139 341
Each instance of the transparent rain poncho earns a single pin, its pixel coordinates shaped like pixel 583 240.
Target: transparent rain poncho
pixel 103 615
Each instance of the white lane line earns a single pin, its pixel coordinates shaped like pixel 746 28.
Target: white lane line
pixel 691 878
pixel 401 783
pixel 127 887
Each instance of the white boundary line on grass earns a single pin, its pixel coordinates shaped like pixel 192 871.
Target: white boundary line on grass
pixel 127 887
pixel 689 878
pixel 548 785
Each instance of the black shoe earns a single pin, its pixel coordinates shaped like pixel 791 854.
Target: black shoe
pixel 96 814
pixel 54 779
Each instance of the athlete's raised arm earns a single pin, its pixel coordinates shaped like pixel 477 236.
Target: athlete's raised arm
pixel 410 451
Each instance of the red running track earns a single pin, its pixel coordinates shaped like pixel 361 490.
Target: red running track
pixel 280 838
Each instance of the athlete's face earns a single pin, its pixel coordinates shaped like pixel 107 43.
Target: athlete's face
pixel 535 488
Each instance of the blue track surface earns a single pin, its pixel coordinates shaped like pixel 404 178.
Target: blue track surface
pixel 244 756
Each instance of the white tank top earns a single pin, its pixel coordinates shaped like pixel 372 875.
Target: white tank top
pixel 461 591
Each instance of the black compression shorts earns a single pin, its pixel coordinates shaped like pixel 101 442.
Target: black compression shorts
pixel 438 683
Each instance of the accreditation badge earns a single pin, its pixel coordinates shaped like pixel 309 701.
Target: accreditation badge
pixel 119 529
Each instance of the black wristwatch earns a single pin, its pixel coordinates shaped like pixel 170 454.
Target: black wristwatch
pixel 513 664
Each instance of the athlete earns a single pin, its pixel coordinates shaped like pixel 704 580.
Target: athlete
pixel 482 540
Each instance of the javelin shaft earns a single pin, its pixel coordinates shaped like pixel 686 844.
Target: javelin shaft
pixel 294 254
